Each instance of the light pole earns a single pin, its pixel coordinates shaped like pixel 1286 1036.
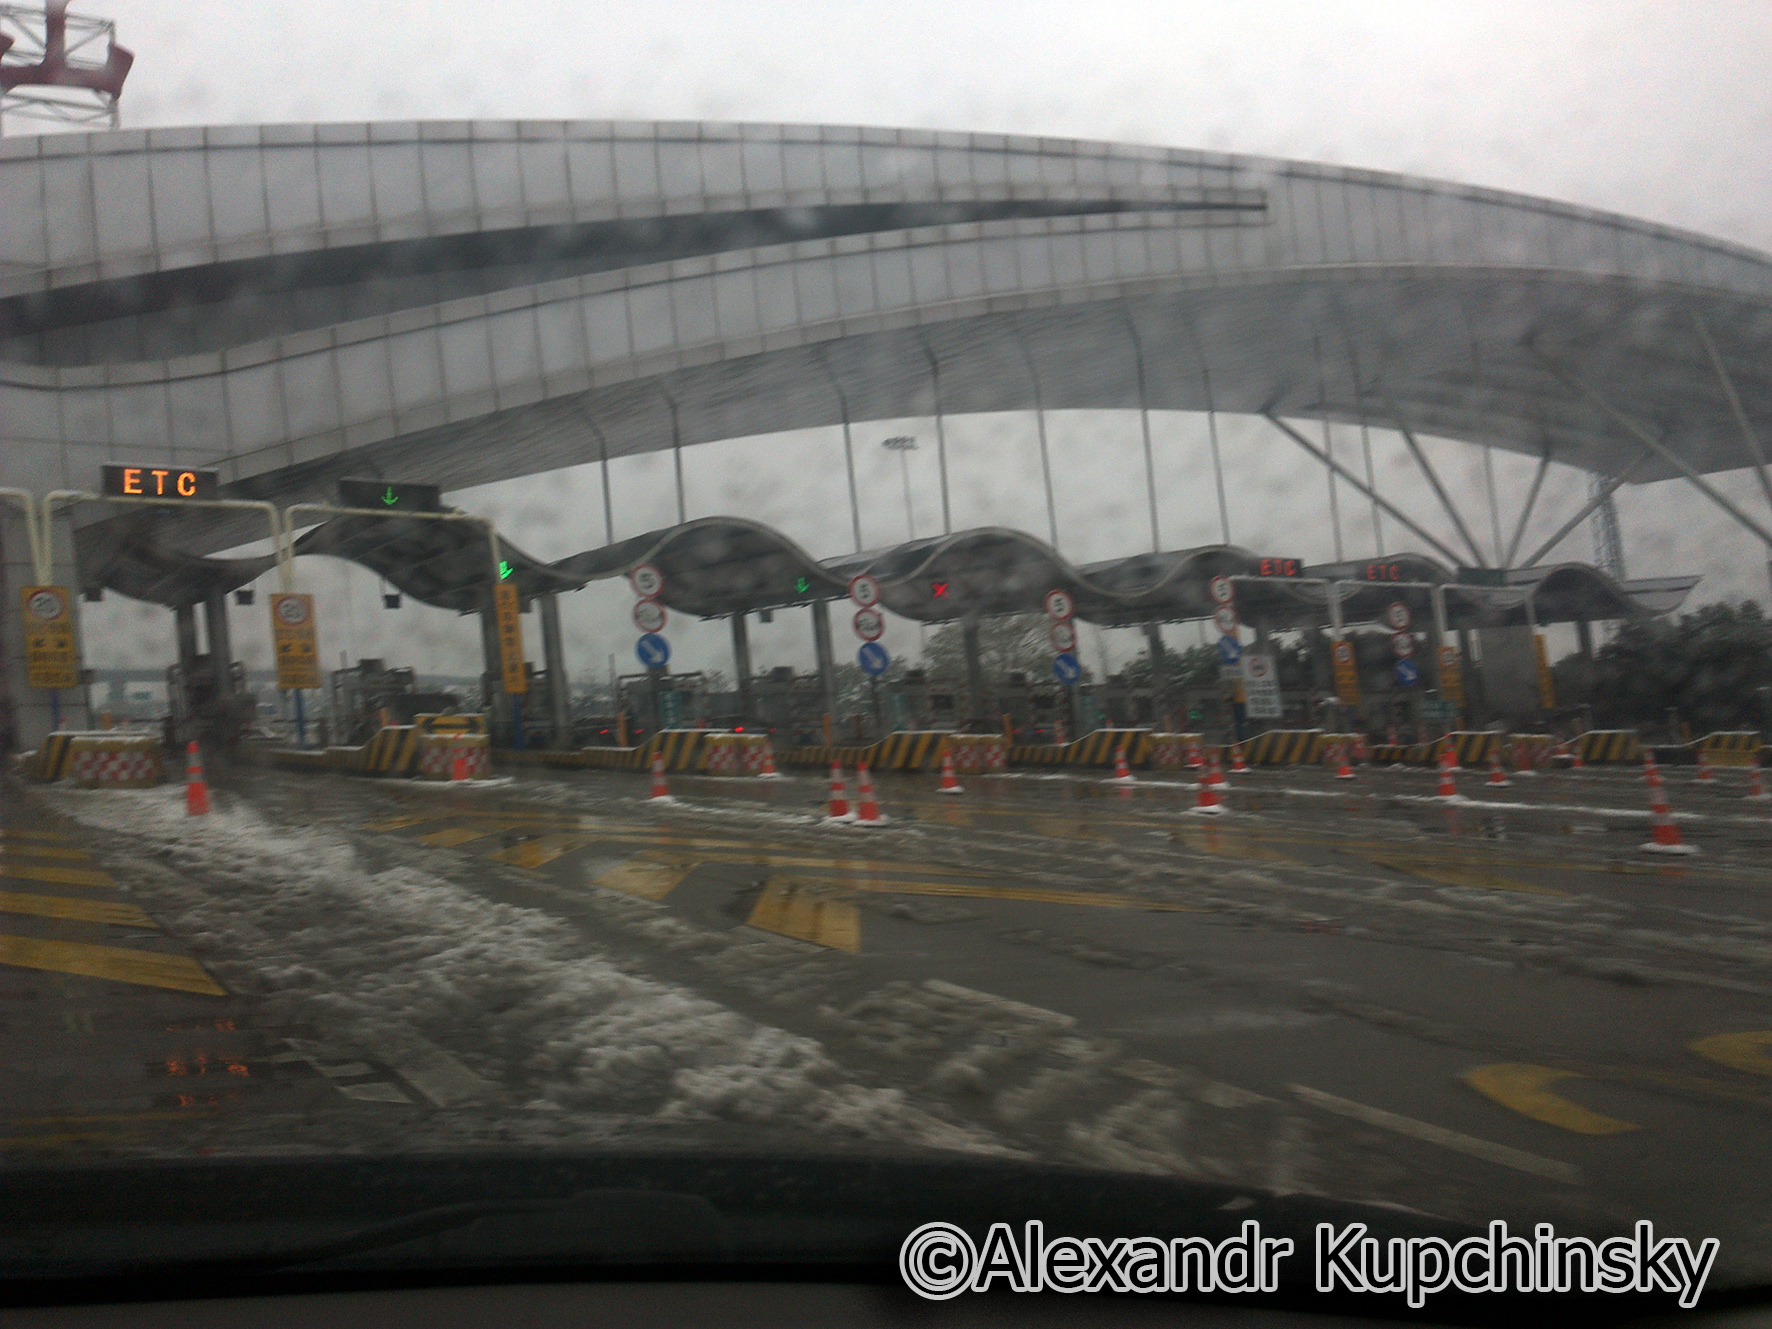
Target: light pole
pixel 903 444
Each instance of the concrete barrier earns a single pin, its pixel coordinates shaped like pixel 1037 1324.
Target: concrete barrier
pixel 1600 747
pixel 437 754
pixel 1093 749
pixel 102 759
pixel 733 754
pixel 1729 748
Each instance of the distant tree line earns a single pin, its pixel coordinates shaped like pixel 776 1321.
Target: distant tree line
pixel 1712 666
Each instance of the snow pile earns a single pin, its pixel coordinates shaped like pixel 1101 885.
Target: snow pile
pixel 298 919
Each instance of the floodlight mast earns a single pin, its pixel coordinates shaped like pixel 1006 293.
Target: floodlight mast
pixel 54 68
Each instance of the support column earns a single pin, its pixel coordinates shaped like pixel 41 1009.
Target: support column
pixel 975 698
pixel 184 627
pixel 1153 635
pixel 553 654
pixel 826 656
pixel 741 664
pixel 221 650
pixel 492 672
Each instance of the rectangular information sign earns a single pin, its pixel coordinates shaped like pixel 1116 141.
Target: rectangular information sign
pixel 50 658
pixel 1347 674
pixel 1261 686
pixel 1451 677
pixel 510 638
pixel 1547 688
pixel 170 483
pixel 294 641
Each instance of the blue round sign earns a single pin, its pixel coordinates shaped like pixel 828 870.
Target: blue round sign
pixel 653 650
pixel 1066 669
pixel 1408 673
pixel 1230 650
pixel 873 659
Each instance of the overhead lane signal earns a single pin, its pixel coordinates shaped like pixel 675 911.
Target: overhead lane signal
pixel 395 496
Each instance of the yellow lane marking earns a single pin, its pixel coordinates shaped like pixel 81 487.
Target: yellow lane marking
pixel 401 823
pixel 1743 1051
pixel 144 968
pixel 541 851
pixel 651 881
pixel 85 911
pixel 1471 872
pixel 807 911
pixel 1036 894
pixel 44 851
pixel 8 833
pixel 55 876
pixel 1230 844
pixel 1523 1088
pixel 454 835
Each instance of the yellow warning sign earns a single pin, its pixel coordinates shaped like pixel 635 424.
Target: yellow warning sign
pixel 50 658
pixel 1451 676
pixel 510 638
pixel 1347 677
pixel 295 641
pixel 1547 688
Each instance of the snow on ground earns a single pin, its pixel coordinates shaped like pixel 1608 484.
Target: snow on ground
pixel 296 918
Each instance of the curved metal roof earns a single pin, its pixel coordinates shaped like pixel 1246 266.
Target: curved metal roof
pixel 710 281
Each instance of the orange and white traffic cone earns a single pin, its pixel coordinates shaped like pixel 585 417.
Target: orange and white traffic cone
pixel 839 804
pixel 1238 766
pixel 868 814
pixel 661 792
pixel 1122 771
pixel 1497 776
pixel 1343 771
pixel 1756 785
pixel 196 787
pixel 1196 757
pixel 1214 775
pixel 1575 761
pixel 1448 786
pixel 1704 773
pixel 768 772
pixel 1209 803
pixel 950 783
pixel 458 766
pixel 1665 835
pixel 1452 751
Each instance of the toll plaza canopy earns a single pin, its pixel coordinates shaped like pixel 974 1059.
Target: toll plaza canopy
pixel 718 566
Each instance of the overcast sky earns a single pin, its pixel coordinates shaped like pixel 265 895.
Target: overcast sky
pixel 1661 111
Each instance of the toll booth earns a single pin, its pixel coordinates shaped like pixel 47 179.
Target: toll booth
pixel 917 699
pixel 370 695
pixel 197 708
pixel 662 701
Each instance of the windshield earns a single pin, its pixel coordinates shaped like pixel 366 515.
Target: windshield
pixel 721 637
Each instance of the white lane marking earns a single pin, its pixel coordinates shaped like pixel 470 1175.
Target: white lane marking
pixel 1487 1150
pixel 442 1079
pixel 1035 1014
pixel 377 1092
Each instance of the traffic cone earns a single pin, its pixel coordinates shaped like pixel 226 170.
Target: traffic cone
pixel 1575 761
pixel 1195 757
pixel 1361 754
pixel 196 787
pixel 1122 772
pixel 1497 777
pixel 1214 775
pixel 1452 750
pixel 869 813
pixel 661 792
pixel 1238 766
pixel 1448 786
pixel 1704 775
pixel 1756 786
pixel 458 766
pixel 1666 835
pixel 950 783
pixel 839 805
pixel 768 772
pixel 1209 803
pixel 1343 771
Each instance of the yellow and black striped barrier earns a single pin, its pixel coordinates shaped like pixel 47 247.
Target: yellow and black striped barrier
pixel 52 756
pixel 1283 747
pixel 1729 748
pixel 1093 749
pixel 908 750
pixel 1470 747
pixel 1609 746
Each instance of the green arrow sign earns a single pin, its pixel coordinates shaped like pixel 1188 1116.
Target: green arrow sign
pixel 504 570
pixel 390 498
pixel 802 586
